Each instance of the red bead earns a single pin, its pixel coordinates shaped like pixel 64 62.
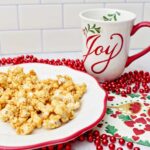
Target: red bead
pixel 105 142
pixel 107 88
pixel 141 90
pixel 4 59
pixel 99 147
pixel 121 141
pixel 117 91
pixel 113 139
pixel 81 138
pixel 77 60
pixel 144 84
pixel 97 142
pixel 123 94
pixel 123 86
pixel 60 147
pixel 96 133
pixel 43 148
pixel 9 60
pixel 146 73
pixel 131 73
pixel 146 90
pixel 97 137
pixel 27 56
pixel 31 56
pixel 130 145
pixel 14 61
pixel 63 59
pixel 104 136
pixel 141 72
pixel 119 148
pixel 136 148
pixel 132 80
pixel 68 147
pixel 111 146
pixel 90 139
pixel 35 59
pixel 51 148
pixel 128 90
pixel 134 89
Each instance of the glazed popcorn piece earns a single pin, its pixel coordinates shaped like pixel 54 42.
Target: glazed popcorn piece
pixel 27 102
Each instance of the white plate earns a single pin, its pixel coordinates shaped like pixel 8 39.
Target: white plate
pixel 92 110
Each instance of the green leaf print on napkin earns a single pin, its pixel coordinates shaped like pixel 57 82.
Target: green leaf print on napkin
pixel 111 129
pixel 124 117
pixel 134 95
pixel 127 139
pixel 148 97
pixel 145 143
pixel 109 111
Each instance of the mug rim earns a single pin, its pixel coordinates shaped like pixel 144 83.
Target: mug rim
pixel 107 22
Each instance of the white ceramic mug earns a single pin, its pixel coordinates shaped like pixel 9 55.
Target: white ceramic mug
pixel 106 38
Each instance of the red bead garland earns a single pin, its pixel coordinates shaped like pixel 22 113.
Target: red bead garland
pixel 137 81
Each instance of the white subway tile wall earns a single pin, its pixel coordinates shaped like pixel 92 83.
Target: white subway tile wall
pixel 61 40
pixel 40 16
pixel 54 25
pixel 8 18
pixel 8 2
pixel 147 12
pixel 20 41
pixel 71 13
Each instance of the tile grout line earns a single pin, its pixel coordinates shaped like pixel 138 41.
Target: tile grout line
pixel 31 29
pixel 50 3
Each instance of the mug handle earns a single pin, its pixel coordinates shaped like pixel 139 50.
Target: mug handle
pixel 143 52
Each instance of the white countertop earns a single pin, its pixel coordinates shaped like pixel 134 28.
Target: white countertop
pixel 140 64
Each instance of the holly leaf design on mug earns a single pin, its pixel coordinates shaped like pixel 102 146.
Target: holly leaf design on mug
pixel 91 28
pixel 106 19
pixel 111 16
